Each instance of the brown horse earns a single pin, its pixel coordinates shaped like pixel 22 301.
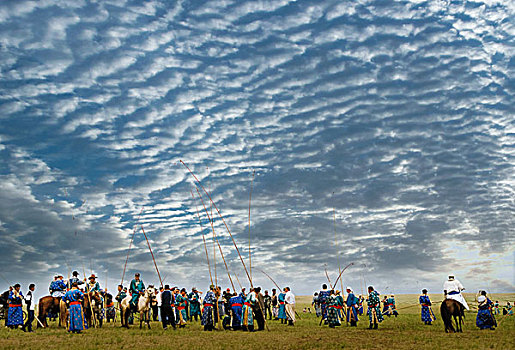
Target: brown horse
pixel 451 308
pixel 49 304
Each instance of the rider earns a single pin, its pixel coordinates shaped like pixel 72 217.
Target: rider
pixel 57 287
pixel 75 278
pixel 92 285
pixel 136 289
pixel 452 290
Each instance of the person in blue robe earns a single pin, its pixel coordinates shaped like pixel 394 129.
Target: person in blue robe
pixel 374 308
pixel 73 298
pixel 247 317
pixel 137 288
pixel 485 318
pixel 236 309
pixel 209 303
pixel 57 288
pixel 282 307
pixel 352 307
pixel 15 311
pixel 339 305
pixel 322 297
pixel 93 285
pixel 194 302
pixel 181 300
pixel 425 313
pixel 74 279
pixel 360 305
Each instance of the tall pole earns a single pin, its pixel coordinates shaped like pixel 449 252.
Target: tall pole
pixel 337 250
pixel 250 199
pixel 218 243
pixel 130 245
pixel 151 253
pixel 223 220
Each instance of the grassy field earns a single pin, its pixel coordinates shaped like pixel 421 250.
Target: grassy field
pixel 403 332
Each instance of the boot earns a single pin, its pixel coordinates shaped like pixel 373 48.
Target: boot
pixel 371 326
pixel 375 325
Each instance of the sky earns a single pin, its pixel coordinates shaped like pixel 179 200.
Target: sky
pixel 380 133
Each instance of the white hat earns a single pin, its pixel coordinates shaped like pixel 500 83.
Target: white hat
pixel 349 288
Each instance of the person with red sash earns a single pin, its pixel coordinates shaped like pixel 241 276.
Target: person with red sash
pixel 236 310
pixel 208 317
pixel 15 312
pixel 73 298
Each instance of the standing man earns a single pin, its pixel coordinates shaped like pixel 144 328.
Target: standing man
pixel 352 307
pixel 247 318
pixel 74 298
pixel 167 316
pixel 322 297
pixel 153 304
pixel 282 307
pixel 374 308
pixel 15 312
pixel 236 310
pixel 180 305
pixel 425 303
pixel 289 300
pixel 316 305
pixel 333 319
pixel 29 301
pixel 268 305
pixel 275 304
pixel 485 319
pixel 258 309
pixel 136 289
pixel 208 317
pixel 194 299
pixel 452 290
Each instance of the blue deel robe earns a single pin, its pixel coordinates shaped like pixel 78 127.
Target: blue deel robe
pixel 74 297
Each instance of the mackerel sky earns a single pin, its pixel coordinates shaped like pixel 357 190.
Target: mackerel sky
pixel 397 116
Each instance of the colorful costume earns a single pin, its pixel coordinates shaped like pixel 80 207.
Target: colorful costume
pixel 282 307
pixel 374 310
pixel 208 317
pixel 194 300
pixel 426 313
pixel 74 298
pixel 339 306
pixel 332 313
pixel 135 289
pixel 180 306
pixel 93 287
pixel 322 297
pixel 247 319
pixel 57 288
pixel 485 319
pixel 236 308
pixel 15 312
pixel 352 308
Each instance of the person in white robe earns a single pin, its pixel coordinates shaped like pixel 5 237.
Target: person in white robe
pixel 452 289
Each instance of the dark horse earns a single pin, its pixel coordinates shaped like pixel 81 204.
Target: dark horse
pixel 48 304
pixel 451 308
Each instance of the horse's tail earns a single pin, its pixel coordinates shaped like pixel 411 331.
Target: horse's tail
pixel 446 317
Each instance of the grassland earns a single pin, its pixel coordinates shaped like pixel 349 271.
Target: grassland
pixel 403 332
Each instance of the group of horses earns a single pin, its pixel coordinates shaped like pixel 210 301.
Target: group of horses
pixel 92 306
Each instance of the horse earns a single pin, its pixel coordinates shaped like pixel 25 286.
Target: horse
pixel 49 304
pixel 110 309
pixel 92 306
pixel 452 308
pixel 143 308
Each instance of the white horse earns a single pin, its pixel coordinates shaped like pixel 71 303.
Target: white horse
pixel 143 308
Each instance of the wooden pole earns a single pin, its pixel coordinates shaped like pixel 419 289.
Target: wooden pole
pixel 250 199
pixel 216 239
pixel 223 220
pixel 130 245
pixel 155 264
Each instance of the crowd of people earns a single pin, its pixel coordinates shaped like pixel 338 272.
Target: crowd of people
pixel 231 310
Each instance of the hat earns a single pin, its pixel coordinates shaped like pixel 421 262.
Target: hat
pixel 136 274
pixel 349 288
pixel 92 276
pixel 75 273
pixel 228 289
pixel 56 275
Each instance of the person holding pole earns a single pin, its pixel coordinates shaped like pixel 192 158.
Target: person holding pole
pixel 289 300
pixel 136 288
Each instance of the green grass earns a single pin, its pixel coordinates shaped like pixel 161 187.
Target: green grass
pixel 403 332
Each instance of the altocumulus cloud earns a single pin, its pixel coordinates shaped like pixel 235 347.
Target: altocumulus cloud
pixel 399 117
